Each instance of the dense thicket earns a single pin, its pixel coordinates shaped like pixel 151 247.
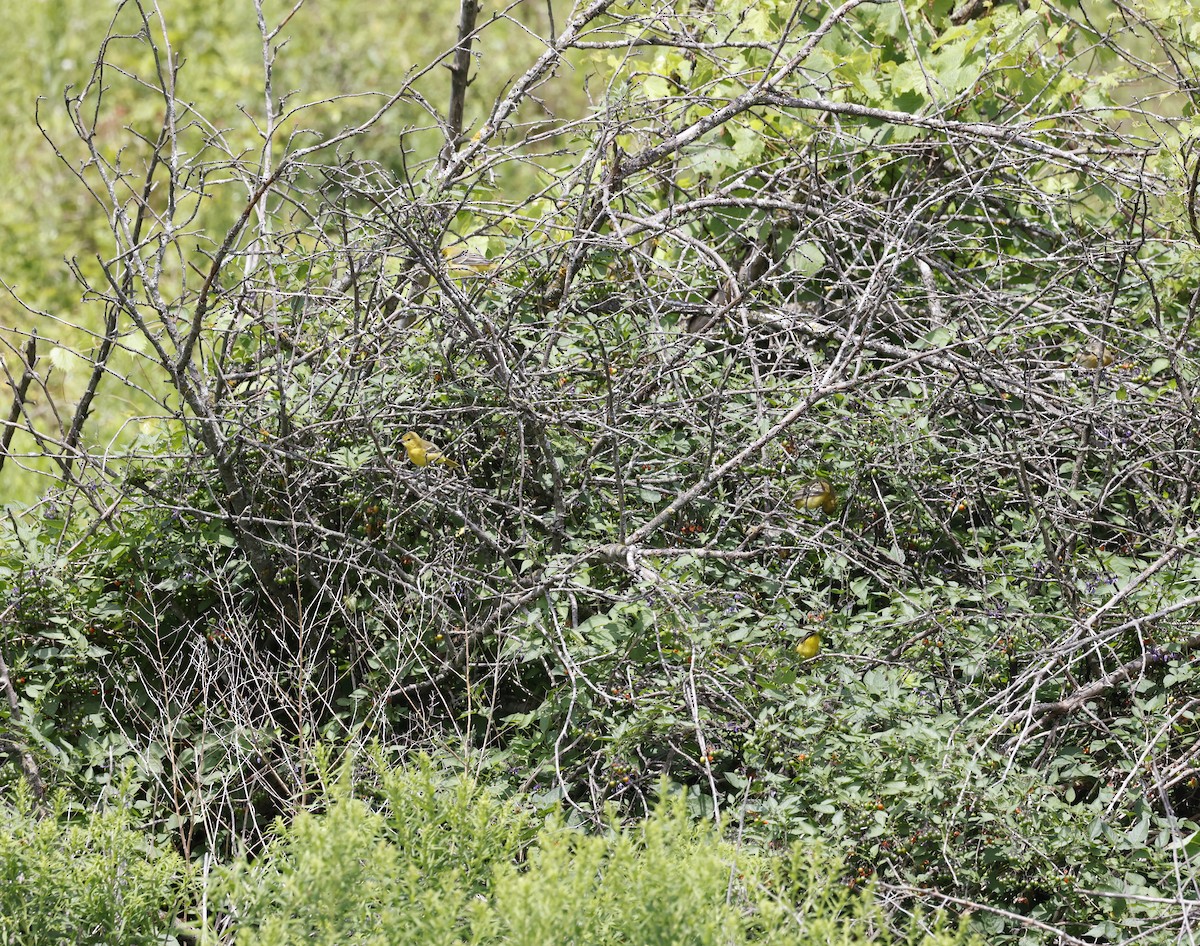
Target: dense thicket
pixel 937 258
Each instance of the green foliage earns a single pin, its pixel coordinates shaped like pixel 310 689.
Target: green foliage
pixel 889 271
pixel 859 761
pixel 84 878
pixel 339 53
pixel 440 863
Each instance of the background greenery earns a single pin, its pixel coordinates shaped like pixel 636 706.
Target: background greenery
pixel 338 57
pixel 895 288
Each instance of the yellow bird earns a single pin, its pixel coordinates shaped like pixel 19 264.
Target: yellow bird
pixel 1095 356
pixel 422 452
pixel 817 494
pixel 810 646
pixel 461 259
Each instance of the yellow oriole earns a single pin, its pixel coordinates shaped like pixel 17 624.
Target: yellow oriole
pixel 817 494
pixel 810 646
pixel 422 452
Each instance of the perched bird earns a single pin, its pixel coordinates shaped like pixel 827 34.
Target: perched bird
pixel 1095 356
pixel 810 646
pixel 422 452
pixel 461 259
pixel 817 494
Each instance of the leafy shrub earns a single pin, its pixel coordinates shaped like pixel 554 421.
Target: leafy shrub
pixel 902 262
pixel 90 879
pixel 441 863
